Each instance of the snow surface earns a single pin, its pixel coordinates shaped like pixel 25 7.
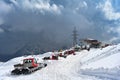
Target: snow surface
pixel 96 64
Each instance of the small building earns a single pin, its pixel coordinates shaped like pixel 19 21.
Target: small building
pixel 91 42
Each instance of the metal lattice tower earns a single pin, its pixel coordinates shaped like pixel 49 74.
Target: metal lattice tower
pixel 75 36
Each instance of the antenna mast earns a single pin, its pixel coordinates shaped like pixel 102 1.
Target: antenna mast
pixel 74 36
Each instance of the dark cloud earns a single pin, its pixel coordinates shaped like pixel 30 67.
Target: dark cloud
pixel 48 24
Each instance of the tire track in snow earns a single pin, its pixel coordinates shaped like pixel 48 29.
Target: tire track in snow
pixel 102 74
pixel 64 69
pixel 101 56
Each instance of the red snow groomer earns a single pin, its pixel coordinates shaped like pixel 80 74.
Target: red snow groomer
pixel 52 57
pixel 69 52
pixel 28 66
pixel 62 55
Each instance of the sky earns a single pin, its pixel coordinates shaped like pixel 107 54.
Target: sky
pixel 50 23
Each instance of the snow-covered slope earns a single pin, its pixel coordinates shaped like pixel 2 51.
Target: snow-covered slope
pixel 106 58
pixel 96 64
pixel 1 63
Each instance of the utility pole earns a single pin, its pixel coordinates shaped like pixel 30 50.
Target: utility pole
pixel 74 36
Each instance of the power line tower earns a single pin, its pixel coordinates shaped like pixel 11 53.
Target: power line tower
pixel 74 36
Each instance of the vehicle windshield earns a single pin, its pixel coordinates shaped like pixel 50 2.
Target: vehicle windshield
pixel 27 61
pixel 35 60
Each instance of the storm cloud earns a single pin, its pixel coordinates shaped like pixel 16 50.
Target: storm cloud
pixel 48 24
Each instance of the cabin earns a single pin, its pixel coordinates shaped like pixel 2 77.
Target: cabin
pixel 92 43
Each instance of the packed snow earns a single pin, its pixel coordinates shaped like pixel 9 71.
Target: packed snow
pixel 96 64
